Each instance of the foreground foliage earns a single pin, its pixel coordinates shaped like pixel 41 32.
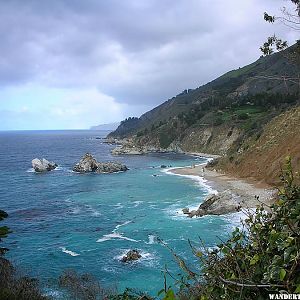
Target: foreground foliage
pixel 261 258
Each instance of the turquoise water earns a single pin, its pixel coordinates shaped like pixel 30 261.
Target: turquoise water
pixel 63 220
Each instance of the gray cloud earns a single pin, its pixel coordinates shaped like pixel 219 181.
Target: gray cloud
pixel 138 52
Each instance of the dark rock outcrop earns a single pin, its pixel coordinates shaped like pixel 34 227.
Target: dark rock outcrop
pixel 131 255
pixel 216 204
pixel 89 164
pixel 111 167
pixel 42 165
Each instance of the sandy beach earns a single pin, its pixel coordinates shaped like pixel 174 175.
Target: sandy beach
pixel 243 190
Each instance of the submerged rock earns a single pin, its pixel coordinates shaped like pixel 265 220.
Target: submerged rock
pixel 131 255
pixel 89 164
pixel 42 165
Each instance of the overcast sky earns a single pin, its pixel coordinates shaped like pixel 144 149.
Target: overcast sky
pixel 71 64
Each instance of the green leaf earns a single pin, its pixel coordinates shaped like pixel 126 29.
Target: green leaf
pixel 254 260
pixel 297 290
pixel 258 226
pixel 169 295
pixel 282 274
pixel 199 254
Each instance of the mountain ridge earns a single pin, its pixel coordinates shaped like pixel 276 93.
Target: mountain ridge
pixel 222 116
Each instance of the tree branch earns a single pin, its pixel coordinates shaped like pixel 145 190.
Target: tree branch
pixel 250 285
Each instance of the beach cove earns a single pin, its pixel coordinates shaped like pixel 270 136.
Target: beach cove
pixel 248 194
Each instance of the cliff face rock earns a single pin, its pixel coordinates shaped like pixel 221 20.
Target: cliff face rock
pixel 42 165
pixel 89 164
pixel 261 156
pixel 134 147
pixel 214 140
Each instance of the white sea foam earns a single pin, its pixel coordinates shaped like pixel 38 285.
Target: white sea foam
pixel 118 205
pixel 58 168
pixel 199 179
pixel 75 210
pixel 93 211
pixel 235 219
pixel 65 250
pixel 120 225
pixel 115 235
pixel 137 203
pixel 152 239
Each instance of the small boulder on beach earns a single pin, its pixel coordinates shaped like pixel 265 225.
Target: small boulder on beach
pixel 43 165
pixel 131 255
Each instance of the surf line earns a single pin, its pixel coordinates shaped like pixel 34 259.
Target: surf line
pixel 116 235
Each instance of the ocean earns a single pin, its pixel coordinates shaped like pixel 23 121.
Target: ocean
pixel 63 220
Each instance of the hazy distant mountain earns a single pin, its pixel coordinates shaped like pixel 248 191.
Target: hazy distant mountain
pixel 111 126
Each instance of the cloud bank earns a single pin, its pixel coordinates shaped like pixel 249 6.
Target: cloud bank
pixel 105 60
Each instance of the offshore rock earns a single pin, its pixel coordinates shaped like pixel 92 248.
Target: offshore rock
pixel 89 164
pixel 111 167
pixel 131 255
pixel 42 165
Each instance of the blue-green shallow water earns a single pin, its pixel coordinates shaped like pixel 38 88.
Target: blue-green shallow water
pixel 64 220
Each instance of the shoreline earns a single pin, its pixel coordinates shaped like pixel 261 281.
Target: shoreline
pixel 243 191
pixel 234 193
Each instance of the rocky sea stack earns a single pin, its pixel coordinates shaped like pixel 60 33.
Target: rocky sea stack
pixel 43 165
pixel 131 255
pixel 89 164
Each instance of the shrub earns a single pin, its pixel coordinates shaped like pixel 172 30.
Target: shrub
pixel 218 121
pixel 243 116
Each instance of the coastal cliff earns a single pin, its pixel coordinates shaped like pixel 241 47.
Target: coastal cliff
pixel 230 116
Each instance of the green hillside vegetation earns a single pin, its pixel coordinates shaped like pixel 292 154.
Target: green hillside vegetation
pixel 247 98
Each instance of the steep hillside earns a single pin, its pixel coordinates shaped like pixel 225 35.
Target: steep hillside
pixel 261 84
pixel 250 116
pixel 262 156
